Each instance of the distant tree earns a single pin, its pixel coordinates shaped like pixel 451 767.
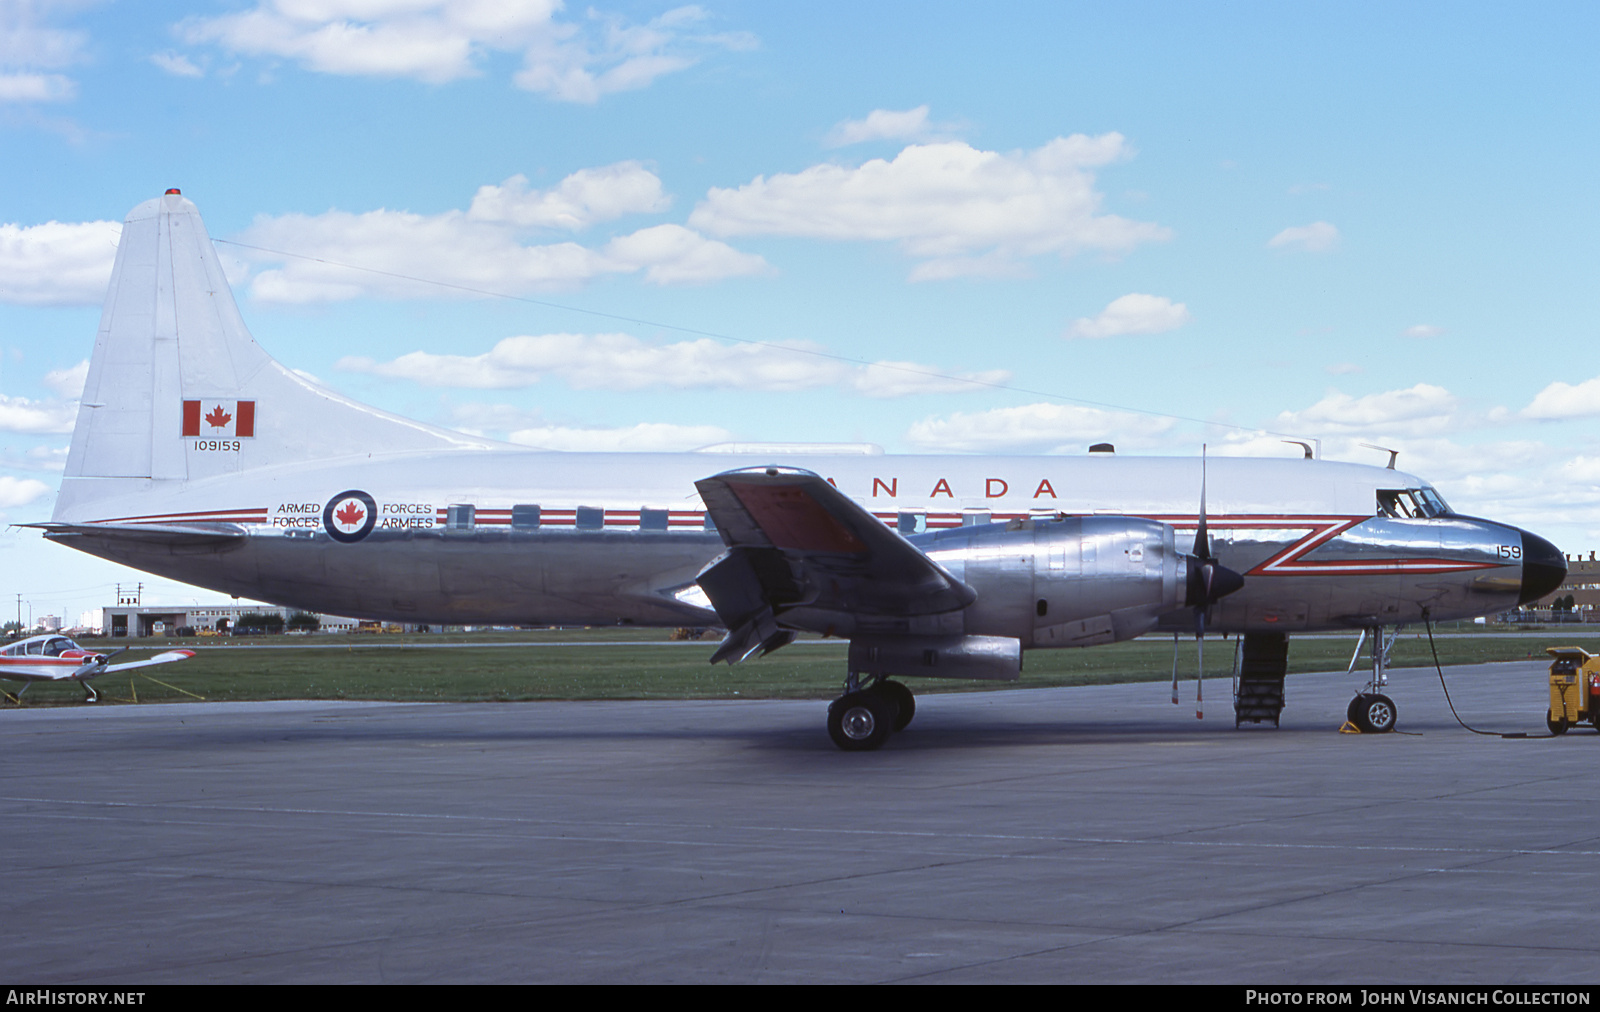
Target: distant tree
pixel 256 623
pixel 304 620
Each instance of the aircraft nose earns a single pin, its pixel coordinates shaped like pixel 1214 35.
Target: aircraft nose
pixel 1544 568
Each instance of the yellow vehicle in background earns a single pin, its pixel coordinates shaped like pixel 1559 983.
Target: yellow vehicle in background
pixel 1574 689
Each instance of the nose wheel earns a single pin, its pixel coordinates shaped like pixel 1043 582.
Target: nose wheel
pixel 1372 712
pixel 862 719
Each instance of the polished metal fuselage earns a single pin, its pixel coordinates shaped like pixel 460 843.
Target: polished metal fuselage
pixel 1302 533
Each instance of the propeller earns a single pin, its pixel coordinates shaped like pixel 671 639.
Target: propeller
pixel 1209 581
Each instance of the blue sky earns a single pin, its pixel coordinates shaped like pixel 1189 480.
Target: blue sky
pixel 1349 222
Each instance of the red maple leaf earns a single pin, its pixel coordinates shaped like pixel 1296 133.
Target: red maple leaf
pixel 350 515
pixel 219 418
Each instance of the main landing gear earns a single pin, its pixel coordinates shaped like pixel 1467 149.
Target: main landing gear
pixel 863 718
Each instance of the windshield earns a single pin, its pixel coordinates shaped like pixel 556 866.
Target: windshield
pixel 1411 503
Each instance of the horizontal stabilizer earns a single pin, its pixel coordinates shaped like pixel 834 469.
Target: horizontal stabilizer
pixel 167 534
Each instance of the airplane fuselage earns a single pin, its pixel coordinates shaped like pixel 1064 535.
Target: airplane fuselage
pixel 527 537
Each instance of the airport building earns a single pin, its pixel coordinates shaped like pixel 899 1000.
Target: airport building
pixel 1578 597
pixel 201 620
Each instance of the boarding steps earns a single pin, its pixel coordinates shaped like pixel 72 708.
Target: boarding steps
pixel 1263 660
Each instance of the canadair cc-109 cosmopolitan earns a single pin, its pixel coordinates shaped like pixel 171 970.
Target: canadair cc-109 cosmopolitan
pixel 198 457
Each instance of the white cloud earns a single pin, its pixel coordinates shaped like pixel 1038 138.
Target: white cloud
pixel 646 437
pixel 1421 410
pixel 445 40
pixel 530 428
pixel 36 88
pixel 1423 330
pixel 20 491
pixel 68 383
pixel 19 414
pixel 623 362
pixel 578 201
pixel 674 255
pixel 960 210
pixel 1037 428
pixel 1565 400
pixel 902 379
pixel 883 124
pixel 29 48
pixel 1317 237
pixel 1133 314
pixel 38 458
pixel 57 263
pixel 177 65
pixel 473 253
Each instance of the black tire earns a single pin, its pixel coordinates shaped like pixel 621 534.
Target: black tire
pixel 1351 712
pixel 904 702
pixel 1376 714
pixel 1557 725
pixel 860 721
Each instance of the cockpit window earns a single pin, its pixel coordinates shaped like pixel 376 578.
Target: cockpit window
pixel 1411 503
pixel 1433 502
pixel 55 647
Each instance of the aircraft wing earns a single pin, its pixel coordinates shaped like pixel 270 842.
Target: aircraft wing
pixel 163 658
pixel 800 549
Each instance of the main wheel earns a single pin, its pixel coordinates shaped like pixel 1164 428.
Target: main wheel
pixel 1557 725
pixel 860 721
pixel 904 702
pixel 1375 714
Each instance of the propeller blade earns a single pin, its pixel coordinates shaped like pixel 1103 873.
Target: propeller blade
pixel 1174 669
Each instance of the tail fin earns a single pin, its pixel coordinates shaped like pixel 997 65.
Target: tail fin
pixel 178 390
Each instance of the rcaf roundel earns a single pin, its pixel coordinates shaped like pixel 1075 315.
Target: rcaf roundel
pixel 349 516
pixel 220 419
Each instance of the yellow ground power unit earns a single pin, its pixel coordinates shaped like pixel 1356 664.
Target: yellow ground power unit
pixel 1574 688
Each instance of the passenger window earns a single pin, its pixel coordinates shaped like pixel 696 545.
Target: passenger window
pixel 459 517
pixel 912 522
pixel 652 520
pixel 524 517
pixel 591 518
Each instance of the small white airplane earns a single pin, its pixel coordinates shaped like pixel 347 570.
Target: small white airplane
pixel 55 658
pixel 198 457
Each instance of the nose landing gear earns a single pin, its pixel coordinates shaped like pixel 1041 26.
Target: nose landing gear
pixel 1372 712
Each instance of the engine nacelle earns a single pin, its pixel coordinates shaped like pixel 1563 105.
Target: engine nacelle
pixel 1073 581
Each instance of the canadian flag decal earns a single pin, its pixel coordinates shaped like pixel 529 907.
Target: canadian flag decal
pixel 230 419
